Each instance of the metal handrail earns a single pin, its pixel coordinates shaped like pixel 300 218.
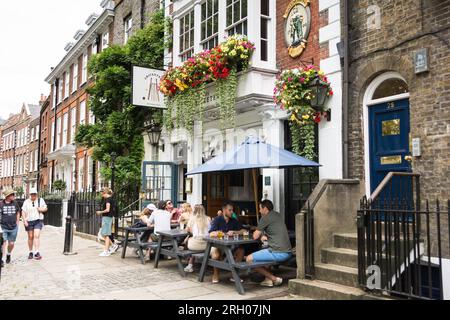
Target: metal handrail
pixel 388 179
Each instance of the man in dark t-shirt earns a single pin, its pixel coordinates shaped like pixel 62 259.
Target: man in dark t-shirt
pixel 228 225
pixel 9 223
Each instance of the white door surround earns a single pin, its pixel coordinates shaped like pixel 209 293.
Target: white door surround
pixel 367 103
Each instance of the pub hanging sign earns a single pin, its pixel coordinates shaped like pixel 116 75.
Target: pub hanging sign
pixel 297 26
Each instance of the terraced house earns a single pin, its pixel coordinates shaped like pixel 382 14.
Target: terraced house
pixel 69 105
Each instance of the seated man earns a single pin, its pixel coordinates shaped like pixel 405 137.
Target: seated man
pixel 276 233
pixel 160 220
pixel 229 225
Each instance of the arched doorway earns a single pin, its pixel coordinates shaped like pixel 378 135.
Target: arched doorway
pixel 386 128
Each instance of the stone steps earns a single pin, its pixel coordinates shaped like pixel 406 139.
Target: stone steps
pixel 337 274
pixel 322 290
pixel 341 257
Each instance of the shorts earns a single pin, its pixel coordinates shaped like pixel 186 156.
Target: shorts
pixel 106 226
pixel 36 224
pixel 10 235
pixel 266 255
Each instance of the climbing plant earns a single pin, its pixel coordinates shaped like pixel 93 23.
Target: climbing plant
pixel 119 125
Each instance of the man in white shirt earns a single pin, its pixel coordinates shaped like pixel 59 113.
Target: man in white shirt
pixel 160 219
pixel 33 210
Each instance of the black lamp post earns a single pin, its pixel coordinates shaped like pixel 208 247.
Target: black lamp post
pixel 319 90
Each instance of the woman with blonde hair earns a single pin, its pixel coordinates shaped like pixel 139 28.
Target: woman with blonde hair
pixel 198 226
pixel 186 215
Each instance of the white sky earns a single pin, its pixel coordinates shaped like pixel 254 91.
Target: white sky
pixel 33 35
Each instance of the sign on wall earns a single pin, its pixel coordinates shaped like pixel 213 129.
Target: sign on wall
pixel 146 87
pixel 297 26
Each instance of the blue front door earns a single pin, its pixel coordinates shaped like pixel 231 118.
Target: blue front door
pixel 389 140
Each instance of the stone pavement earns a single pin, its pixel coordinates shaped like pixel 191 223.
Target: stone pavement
pixel 89 277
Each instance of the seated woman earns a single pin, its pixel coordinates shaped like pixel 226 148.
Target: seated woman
pixel 198 225
pixel 186 214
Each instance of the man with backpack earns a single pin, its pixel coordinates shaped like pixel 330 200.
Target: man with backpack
pixel 9 222
pixel 33 210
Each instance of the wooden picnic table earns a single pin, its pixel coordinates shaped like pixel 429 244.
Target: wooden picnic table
pixel 172 236
pixel 136 241
pixel 229 264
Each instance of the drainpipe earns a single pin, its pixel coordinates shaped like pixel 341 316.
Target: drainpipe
pixel 345 92
pixel 56 90
pixel 39 149
pixel 142 14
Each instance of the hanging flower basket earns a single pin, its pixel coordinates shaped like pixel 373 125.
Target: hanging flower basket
pixel 184 86
pixel 303 92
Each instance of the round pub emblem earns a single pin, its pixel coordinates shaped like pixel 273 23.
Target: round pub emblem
pixel 297 26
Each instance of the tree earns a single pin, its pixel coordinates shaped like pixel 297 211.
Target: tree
pixel 119 125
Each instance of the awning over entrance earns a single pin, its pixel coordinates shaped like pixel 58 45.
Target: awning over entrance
pixel 63 153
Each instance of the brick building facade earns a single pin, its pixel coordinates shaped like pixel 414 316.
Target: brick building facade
pixel 19 142
pixel 385 36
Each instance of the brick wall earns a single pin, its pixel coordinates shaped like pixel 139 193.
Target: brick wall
pixel 124 9
pixel 391 48
pixel 312 50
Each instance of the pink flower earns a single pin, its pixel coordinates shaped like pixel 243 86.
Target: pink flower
pixel 302 80
pixel 290 79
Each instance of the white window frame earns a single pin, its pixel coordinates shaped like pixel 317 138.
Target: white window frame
pixel 187 52
pixel 37 132
pixel 58 132
pixel 65 129
pixel 60 91
pixel 128 28
pixel 75 77
pixel 73 124
pixel 105 40
pixel 231 28
pixel 82 112
pixel 66 84
pixel 84 71
pixel 214 36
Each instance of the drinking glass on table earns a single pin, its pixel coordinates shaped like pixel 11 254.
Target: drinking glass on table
pixel 220 235
pixel 246 234
pixel 236 237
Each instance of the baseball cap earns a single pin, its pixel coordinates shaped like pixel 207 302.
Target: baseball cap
pixel 152 207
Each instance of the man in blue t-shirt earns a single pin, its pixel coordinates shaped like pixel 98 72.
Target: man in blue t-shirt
pixel 9 223
pixel 228 225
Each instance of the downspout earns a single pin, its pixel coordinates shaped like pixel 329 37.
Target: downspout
pixel 39 149
pixel 142 14
pixel 56 90
pixel 345 93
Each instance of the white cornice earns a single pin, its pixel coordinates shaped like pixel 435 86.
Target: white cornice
pixel 99 25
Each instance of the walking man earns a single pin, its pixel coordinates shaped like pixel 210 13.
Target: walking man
pixel 33 210
pixel 9 221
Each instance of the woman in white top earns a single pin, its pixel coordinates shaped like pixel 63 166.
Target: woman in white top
pixel 33 210
pixel 198 225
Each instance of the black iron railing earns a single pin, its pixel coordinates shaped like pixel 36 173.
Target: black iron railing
pixel 53 216
pixel 401 244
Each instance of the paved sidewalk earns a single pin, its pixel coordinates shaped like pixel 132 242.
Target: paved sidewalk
pixel 87 276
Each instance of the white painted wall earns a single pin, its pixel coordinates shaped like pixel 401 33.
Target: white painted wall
pixel 330 133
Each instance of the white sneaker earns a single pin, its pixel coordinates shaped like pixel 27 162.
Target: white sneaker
pixel 267 283
pixel 104 254
pixel 113 248
pixel 189 268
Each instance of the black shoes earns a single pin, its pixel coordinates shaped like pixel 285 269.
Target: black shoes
pixel 8 258
pixel 30 255
pixel 38 256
